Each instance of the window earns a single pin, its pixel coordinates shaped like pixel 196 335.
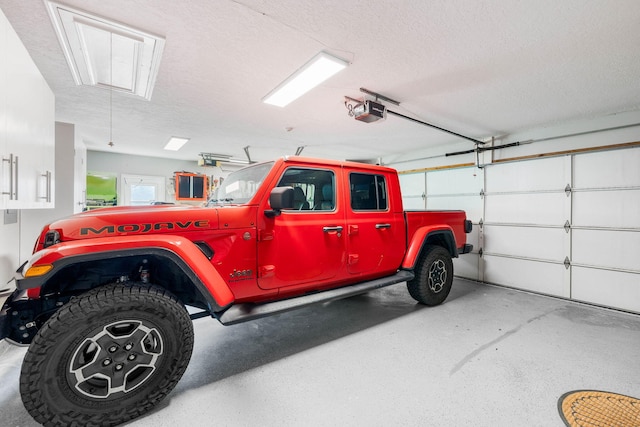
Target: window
pixel 140 190
pixel 313 189
pixel 142 194
pixel 368 192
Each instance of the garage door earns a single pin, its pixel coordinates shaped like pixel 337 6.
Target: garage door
pixel 606 229
pixel 525 239
pixel 566 226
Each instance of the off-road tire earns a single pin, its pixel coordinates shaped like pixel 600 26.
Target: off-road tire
pixel 433 276
pixel 106 356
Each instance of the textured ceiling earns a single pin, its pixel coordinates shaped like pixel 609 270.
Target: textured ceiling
pixel 479 67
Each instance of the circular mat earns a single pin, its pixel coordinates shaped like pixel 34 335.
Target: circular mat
pixel 590 408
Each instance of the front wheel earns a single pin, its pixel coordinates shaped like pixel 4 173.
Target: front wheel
pixel 107 356
pixel 434 276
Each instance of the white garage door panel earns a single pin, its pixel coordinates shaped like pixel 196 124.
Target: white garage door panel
pixel 455 181
pixel 412 188
pixel 474 237
pixel 527 242
pixel 472 205
pixel 537 208
pixel 466 266
pixel 412 203
pixel 606 195
pixel 531 175
pixel 607 248
pixel 619 168
pixel 610 288
pixel 412 184
pixel 617 209
pixel 533 276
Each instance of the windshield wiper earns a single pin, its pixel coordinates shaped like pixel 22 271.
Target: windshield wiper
pixel 227 200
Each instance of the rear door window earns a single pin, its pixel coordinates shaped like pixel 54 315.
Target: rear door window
pixel 368 192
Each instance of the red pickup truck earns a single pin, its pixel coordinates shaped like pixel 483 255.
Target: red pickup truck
pixel 102 302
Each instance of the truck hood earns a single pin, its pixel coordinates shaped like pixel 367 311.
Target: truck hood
pixel 130 220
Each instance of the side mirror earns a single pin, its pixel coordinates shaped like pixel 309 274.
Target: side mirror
pixel 279 199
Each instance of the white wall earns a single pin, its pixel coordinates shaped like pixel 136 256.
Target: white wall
pixel 119 164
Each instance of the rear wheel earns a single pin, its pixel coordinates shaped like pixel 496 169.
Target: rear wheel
pixel 434 276
pixel 107 356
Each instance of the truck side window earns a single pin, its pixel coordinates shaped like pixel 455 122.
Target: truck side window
pixel 368 192
pixel 313 189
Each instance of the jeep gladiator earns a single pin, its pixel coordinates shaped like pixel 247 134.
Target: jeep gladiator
pixel 102 301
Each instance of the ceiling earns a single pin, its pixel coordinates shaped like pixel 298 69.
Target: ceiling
pixel 481 68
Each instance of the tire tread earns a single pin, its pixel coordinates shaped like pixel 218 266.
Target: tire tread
pixel 84 307
pixel 419 287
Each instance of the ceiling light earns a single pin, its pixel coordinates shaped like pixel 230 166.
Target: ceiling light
pixel 107 54
pixel 175 143
pixel 318 69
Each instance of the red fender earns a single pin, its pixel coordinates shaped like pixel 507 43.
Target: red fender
pixel 420 237
pixel 179 246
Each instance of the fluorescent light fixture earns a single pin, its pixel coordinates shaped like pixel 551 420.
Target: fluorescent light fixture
pixel 318 69
pixel 175 143
pixel 107 54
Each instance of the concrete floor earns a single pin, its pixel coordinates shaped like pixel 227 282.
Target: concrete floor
pixel 488 356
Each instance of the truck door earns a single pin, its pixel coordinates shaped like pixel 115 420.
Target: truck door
pixel 305 245
pixel 375 231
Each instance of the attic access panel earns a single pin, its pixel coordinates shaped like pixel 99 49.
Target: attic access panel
pixel 105 53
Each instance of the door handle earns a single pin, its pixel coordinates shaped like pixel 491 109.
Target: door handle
pixel 381 226
pixel 15 182
pixel 330 229
pixel 47 195
pixel 13 177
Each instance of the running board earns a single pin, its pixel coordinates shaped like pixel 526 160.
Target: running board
pixel 243 312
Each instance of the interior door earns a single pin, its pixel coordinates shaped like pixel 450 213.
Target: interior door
pixel 304 245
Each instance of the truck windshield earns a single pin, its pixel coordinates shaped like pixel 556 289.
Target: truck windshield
pixel 240 186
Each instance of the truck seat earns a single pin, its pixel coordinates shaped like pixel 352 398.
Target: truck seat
pixel 299 199
pixel 327 198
